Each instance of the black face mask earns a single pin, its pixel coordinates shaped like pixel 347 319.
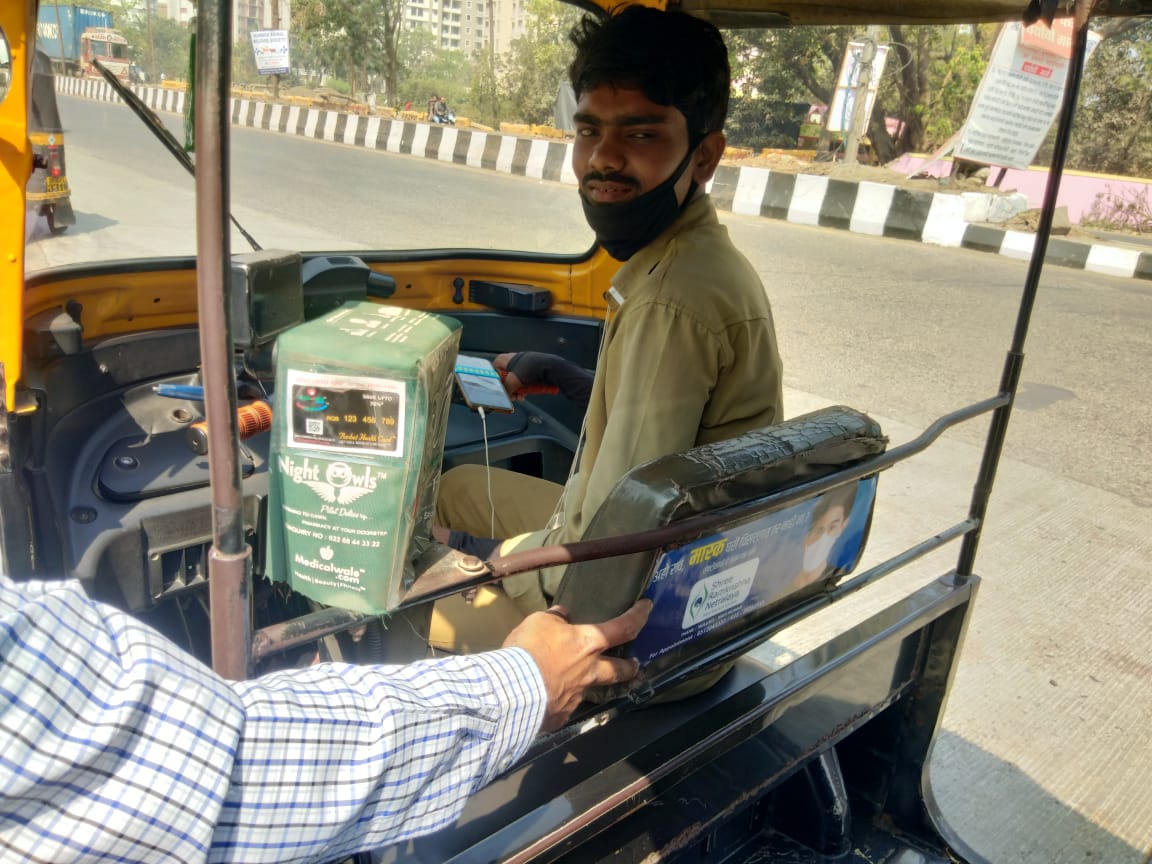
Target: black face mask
pixel 624 228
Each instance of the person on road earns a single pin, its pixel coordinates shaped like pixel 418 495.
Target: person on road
pixel 689 353
pixel 115 745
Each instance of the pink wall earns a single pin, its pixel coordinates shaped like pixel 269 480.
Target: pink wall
pixel 1077 190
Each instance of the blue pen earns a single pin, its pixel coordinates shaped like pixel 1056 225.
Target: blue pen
pixel 180 391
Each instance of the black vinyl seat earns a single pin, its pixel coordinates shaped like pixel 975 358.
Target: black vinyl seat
pixel 706 591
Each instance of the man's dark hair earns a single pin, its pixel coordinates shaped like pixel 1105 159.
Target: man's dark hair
pixel 842 496
pixel 672 57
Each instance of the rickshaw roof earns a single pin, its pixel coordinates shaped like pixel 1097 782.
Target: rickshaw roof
pixel 782 13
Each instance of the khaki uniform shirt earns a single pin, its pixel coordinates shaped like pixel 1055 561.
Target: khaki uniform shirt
pixel 689 358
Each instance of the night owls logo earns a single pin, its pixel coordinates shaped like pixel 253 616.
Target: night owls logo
pixel 341 484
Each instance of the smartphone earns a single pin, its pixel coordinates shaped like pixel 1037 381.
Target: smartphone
pixel 481 385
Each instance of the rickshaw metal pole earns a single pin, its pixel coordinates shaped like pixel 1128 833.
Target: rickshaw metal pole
pixel 60 39
pixel 1014 362
pixel 229 558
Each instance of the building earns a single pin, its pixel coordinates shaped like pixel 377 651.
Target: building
pixel 181 11
pixel 469 25
pixel 249 15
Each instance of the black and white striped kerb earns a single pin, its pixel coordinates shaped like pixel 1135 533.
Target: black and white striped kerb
pixel 804 199
pixel 881 210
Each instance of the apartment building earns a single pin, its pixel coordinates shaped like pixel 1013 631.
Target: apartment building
pixel 469 25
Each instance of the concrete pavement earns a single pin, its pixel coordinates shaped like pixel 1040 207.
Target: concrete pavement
pixel 1044 755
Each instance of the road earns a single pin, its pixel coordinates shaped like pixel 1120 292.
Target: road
pixel 1043 756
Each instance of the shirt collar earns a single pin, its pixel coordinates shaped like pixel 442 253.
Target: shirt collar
pixel 698 213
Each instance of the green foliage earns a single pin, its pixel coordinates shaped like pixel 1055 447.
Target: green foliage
pixel 428 70
pixel 485 95
pixel 758 123
pixel 168 50
pixel 529 75
pixel 244 64
pixel 954 75
pixel 928 81
pixel 355 40
pixel 1112 129
pixel 787 65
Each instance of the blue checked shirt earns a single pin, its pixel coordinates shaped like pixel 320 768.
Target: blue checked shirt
pixel 116 746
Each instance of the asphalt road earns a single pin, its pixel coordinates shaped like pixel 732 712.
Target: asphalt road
pixel 1043 757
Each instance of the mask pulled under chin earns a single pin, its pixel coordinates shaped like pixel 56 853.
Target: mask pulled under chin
pixel 624 228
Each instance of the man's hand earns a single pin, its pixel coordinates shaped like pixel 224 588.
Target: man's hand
pixel 570 656
pixel 512 383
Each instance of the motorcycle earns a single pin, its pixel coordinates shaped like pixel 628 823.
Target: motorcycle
pixel 439 112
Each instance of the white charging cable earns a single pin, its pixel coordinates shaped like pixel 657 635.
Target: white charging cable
pixel 557 517
pixel 488 472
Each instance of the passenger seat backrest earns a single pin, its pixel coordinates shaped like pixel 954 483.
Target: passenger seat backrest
pixel 703 480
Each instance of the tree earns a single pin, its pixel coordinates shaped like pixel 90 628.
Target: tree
pixel 167 53
pixel 485 93
pixel 1112 129
pixel 929 79
pixel 531 72
pixel 426 69
pixel 354 39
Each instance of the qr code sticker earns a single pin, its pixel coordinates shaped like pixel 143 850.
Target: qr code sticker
pixel 314 426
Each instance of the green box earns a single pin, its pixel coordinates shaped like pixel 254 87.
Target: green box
pixel 361 410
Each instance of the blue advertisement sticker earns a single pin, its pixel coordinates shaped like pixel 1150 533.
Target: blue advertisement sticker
pixel 705 585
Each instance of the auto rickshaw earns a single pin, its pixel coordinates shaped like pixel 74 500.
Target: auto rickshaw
pixel 108 368
pixel 48 193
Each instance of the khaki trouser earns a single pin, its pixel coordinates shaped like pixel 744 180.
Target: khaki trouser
pixel 519 504
pixel 522 504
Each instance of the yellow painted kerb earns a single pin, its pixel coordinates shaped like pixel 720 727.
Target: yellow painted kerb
pixel 17 21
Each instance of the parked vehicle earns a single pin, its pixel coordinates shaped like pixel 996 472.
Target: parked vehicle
pixel 74 36
pixel 108 475
pixel 48 192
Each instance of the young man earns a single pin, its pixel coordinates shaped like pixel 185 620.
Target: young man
pixel 115 745
pixel 690 354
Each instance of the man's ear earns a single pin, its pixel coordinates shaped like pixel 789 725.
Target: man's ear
pixel 707 157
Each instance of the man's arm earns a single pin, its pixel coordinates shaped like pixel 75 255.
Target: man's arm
pixel 660 370
pixel 114 742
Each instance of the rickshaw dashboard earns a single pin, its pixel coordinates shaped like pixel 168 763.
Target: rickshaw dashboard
pixel 130 495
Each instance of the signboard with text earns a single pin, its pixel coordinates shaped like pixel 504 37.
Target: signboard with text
pixel 844 101
pixel 1020 94
pixel 270 48
pixel 736 574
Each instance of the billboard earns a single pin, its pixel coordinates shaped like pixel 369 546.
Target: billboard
pixel 844 101
pixel 270 48
pixel 1020 94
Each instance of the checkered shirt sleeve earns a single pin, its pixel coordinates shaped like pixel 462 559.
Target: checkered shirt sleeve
pixel 116 746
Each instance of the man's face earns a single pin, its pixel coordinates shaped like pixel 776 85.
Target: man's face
pixel 626 145
pixel 830 525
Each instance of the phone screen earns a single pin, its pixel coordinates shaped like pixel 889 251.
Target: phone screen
pixel 481 385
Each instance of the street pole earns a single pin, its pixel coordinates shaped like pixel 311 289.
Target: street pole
pixel 60 40
pixel 859 118
pixel 492 57
pixel 151 45
pixel 276 26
